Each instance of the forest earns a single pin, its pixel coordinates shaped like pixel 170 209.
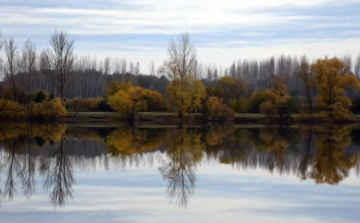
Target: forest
pixel 53 82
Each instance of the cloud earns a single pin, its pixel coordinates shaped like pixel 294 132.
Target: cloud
pixel 137 27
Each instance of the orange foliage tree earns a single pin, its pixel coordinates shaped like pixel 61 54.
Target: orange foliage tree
pixel 332 79
pixel 277 98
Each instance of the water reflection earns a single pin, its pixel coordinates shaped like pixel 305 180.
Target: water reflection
pixel 323 154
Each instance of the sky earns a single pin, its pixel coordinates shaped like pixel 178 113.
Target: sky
pixel 222 31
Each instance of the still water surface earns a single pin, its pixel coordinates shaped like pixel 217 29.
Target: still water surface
pixel 55 173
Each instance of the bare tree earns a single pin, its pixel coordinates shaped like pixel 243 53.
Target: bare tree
pixel 123 66
pixel 107 66
pixel 29 62
pixel 12 65
pixel 58 63
pixel 357 66
pixel 1 61
pixel 307 79
pixel 182 58
pixel 152 68
pixel 137 69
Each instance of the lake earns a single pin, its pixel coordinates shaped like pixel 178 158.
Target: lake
pixel 59 173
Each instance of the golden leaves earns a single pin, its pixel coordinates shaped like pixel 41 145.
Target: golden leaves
pixel 277 97
pixel 332 79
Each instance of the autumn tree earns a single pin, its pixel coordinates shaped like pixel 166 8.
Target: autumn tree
pixel 256 99
pixel 231 89
pixel 277 98
pixel 217 111
pixel 184 92
pixel 187 94
pixel 57 63
pixel 129 102
pixel 332 79
pixel 116 86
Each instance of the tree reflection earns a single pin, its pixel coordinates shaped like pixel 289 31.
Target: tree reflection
pixel 28 179
pixel 59 176
pixel 331 165
pixel 185 149
pixel 13 169
pixel 322 154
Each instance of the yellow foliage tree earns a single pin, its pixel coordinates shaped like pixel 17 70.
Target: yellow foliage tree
pixel 218 111
pixel 277 98
pixel 197 94
pixel 48 108
pixel 332 79
pixel 83 104
pixel 155 101
pixel 129 102
pixel 11 109
pixel 185 94
pixel 116 86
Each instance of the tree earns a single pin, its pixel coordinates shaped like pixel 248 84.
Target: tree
pixel 277 98
pixel 332 79
pixel 217 111
pixel 181 67
pixel 308 81
pixel 185 95
pixel 116 86
pixel 1 62
pixel 12 66
pixel 197 94
pixel 58 63
pixel 29 62
pixel 129 102
pixel 256 99
pixel 181 58
pixel 231 91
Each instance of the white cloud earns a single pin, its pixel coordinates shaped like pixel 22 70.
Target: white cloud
pixel 261 33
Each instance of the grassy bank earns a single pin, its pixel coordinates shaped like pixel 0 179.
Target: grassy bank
pixel 168 118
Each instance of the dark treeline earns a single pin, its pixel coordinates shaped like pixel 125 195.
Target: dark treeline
pixel 324 154
pixel 321 90
pixel 23 68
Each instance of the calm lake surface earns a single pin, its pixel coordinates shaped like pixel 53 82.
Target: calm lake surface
pixel 58 173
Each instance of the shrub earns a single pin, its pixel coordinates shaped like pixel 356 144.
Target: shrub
pixel 48 108
pixel 216 111
pixel 257 98
pixel 41 96
pixel 104 107
pixel 240 105
pixel 83 104
pixel 11 109
pixel 155 101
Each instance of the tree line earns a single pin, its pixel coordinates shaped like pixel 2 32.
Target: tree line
pixel 274 86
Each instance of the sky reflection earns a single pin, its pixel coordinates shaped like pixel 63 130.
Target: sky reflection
pixel 194 177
